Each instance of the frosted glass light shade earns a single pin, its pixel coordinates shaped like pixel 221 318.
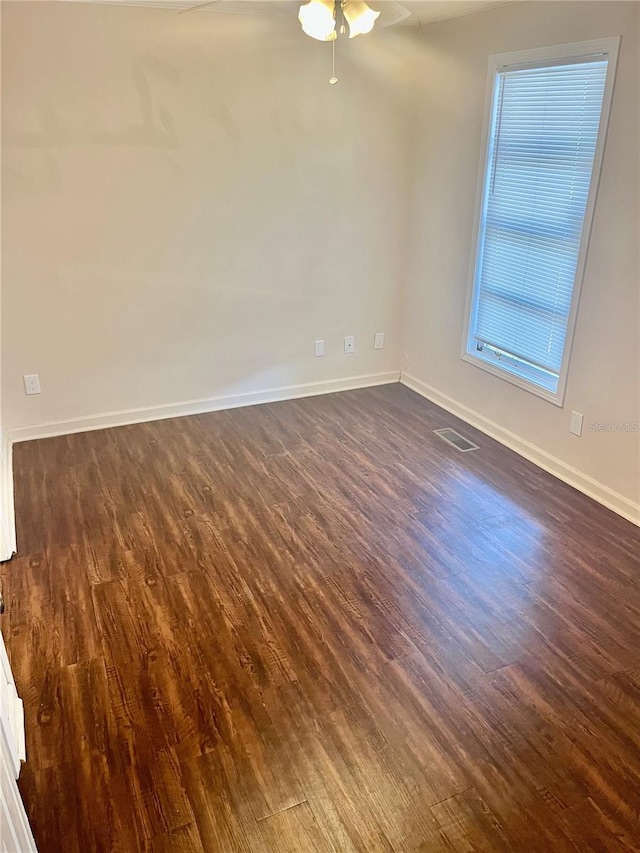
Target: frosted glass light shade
pixel 318 19
pixel 359 17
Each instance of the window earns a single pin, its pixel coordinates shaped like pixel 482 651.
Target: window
pixel 547 121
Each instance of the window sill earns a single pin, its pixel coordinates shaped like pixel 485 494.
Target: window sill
pixel 556 398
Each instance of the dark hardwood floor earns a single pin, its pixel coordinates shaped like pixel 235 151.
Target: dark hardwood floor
pixel 313 626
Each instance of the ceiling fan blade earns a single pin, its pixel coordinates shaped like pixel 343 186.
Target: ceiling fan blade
pixel 196 7
pixel 268 8
pixel 391 13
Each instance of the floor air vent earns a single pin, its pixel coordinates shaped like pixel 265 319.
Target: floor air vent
pixel 458 441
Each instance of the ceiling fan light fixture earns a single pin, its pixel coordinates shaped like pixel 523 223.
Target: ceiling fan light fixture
pixel 360 17
pixel 317 18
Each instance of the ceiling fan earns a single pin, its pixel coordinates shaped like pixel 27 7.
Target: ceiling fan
pixel 323 20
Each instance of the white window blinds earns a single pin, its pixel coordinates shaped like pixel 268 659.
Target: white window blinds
pixel 543 135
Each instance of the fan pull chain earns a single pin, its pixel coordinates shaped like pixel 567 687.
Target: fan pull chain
pixel 333 79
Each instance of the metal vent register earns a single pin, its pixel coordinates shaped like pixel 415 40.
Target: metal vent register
pixel 458 441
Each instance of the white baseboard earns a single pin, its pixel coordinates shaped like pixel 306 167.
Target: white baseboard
pixel 7 513
pixel 198 407
pixel 594 489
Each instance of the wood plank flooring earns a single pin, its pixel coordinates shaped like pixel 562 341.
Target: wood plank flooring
pixel 313 626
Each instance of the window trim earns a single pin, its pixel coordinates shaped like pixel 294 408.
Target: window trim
pixel 535 56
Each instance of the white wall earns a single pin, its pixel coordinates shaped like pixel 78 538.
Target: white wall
pixel 188 205
pixel 7 520
pixel 604 380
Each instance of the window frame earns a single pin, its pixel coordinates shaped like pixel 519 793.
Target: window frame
pixel 497 62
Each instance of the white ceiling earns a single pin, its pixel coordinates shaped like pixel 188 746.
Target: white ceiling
pixel 427 11
pixel 422 11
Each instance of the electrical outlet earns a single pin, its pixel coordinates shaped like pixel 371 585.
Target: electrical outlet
pixel 575 425
pixel 349 344
pixel 378 340
pixel 31 383
pixel 318 348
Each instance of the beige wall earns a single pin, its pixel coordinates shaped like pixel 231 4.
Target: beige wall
pixel 188 205
pixel 604 380
pixel 7 521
